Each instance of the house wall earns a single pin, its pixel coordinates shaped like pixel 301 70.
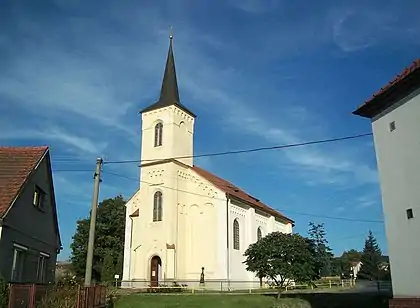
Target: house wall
pixel 399 171
pixel 29 227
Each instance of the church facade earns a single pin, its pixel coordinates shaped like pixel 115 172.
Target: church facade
pixel 184 220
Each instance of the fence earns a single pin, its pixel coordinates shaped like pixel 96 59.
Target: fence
pixel 31 295
pixel 24 295
pixel 222 286
pixel 91 297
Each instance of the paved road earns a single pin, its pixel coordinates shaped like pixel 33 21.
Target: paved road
pixel 363 286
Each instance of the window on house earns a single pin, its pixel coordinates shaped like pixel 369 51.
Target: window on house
pixel 157 206
pixel 39 198
pixel 236 234
pixel 42 268
pixel 410 214
pixel 158 134
pixel 259 234
pixel 19 256
pixel 392 126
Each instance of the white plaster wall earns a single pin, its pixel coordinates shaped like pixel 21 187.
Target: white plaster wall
pixel 237 268
pixel 281 227
pixel 398 154
pixel 261 221
pixel 127 241
pixel 200 240
pixel 150 238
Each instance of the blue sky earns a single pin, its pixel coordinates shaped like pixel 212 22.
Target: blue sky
pixel 74 75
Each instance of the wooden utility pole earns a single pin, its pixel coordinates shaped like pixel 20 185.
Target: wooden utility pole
pixel 91 243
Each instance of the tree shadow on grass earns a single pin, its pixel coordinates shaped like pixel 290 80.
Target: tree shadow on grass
pixel 343 300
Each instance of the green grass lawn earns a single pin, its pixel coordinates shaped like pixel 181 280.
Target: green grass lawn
pixel 207 301
pixel 304 300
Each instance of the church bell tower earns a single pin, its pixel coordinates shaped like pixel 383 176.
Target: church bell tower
pixel 167 125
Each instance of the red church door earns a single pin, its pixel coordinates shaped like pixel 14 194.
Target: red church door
pixel 154 271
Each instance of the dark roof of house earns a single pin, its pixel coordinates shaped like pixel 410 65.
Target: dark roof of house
pixel 400 87
pixel 169 94
pixel 236 192
pixel 16 165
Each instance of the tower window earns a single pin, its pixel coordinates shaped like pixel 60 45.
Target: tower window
pixel 236 234
pixel 157 206
pixel 158 134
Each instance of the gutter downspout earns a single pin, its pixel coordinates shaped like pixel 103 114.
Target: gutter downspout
pixel 227 241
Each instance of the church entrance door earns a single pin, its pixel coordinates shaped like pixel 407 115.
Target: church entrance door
pixel 155 265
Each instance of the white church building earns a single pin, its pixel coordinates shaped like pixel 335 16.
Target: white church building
pixel 184 218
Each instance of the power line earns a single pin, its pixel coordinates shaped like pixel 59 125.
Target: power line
pixel 281 210
pixel 277 147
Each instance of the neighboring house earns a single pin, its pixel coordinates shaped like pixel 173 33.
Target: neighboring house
pixel 184 218
pixel 395 115
pixel 29 234
pixel 355 268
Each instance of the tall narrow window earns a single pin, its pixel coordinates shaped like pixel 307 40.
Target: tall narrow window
pixel 235 235
pixel 157 206
pixel 259 234
pixel 18 264
pixel 42 268
pixel 158 134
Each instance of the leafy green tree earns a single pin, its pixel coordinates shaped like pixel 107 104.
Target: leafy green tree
pixel 281 258
pixel 323 253
pixel 108 267
pixel 109 235
pixel 371 258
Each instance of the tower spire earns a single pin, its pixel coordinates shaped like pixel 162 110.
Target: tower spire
pixel 169 94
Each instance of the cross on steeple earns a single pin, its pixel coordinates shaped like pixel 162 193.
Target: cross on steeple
pixel 169 94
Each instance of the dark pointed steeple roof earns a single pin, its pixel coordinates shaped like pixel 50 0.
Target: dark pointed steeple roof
pixel 169 94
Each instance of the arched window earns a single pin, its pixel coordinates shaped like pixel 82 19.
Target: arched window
pixel 236 234
pixel 259 234
pixel 157 206
pixel 158 134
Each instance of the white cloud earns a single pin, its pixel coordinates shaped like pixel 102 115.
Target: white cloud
pixel 55 134
pixel 356 29
pixel 367 201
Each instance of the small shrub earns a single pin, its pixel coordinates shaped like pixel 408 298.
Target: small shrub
pixel 60 297
pixel 67 280
pixel 165 288
pixel 4 293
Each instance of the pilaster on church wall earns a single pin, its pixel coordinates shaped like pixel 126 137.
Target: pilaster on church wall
pixel 252 229
pixel 127 244
pixel 270 224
